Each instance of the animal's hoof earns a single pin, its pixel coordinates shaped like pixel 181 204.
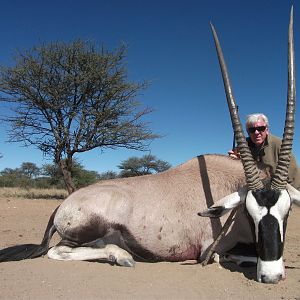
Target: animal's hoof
pixel 112 258
pixel 127 262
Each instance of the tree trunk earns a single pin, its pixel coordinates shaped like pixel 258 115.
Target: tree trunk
pixel 66 167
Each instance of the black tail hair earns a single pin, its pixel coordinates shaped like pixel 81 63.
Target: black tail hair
pixel 26 251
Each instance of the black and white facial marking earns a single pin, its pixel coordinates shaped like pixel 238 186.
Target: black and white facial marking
pixel 269 210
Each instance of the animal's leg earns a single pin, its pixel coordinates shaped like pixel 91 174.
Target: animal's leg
pixel 241 260
pixel 242 254
pixel 110 253
pixel 205 249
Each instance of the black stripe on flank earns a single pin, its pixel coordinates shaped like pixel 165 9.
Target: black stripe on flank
pixel 139 252
pixel 215 222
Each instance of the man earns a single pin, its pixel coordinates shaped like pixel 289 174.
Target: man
pixel 265 147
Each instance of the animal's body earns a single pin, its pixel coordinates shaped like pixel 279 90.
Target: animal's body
pixel 156 215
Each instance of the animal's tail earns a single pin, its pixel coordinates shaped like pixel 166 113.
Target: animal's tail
pixel 26 251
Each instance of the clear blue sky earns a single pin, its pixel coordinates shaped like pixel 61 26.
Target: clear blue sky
pixel 170 44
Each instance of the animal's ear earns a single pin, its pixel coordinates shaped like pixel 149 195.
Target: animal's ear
pixel 294 194
pixel 225 204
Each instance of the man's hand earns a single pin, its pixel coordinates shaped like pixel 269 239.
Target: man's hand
pixel 234 154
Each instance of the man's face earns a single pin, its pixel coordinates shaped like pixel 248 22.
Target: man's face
pixel 258 132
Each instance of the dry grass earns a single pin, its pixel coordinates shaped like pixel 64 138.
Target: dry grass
pixel 57 194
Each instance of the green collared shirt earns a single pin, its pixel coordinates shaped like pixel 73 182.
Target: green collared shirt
pixel 268 153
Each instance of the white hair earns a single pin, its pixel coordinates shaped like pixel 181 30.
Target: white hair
pixel 253 118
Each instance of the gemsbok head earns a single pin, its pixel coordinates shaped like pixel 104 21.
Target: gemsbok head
pixel 267 202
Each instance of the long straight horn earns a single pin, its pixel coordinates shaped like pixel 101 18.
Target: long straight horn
pixel 280 177
pixel 250 169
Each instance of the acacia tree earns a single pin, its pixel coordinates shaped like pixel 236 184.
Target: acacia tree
pixel 30 170
pixel 72 98
pixel 147 164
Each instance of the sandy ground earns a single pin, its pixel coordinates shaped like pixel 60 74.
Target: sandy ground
pixel 24 221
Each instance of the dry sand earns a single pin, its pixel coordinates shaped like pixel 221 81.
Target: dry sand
pixel 24 221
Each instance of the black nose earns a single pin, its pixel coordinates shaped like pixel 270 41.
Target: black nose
pixel 273 279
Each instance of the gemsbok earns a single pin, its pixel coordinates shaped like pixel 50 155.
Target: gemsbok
pixel 155 217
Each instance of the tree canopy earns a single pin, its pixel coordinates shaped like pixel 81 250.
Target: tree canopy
pixel 71 98
pixel 147 164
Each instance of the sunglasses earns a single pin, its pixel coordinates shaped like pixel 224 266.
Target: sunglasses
pixel 259 129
